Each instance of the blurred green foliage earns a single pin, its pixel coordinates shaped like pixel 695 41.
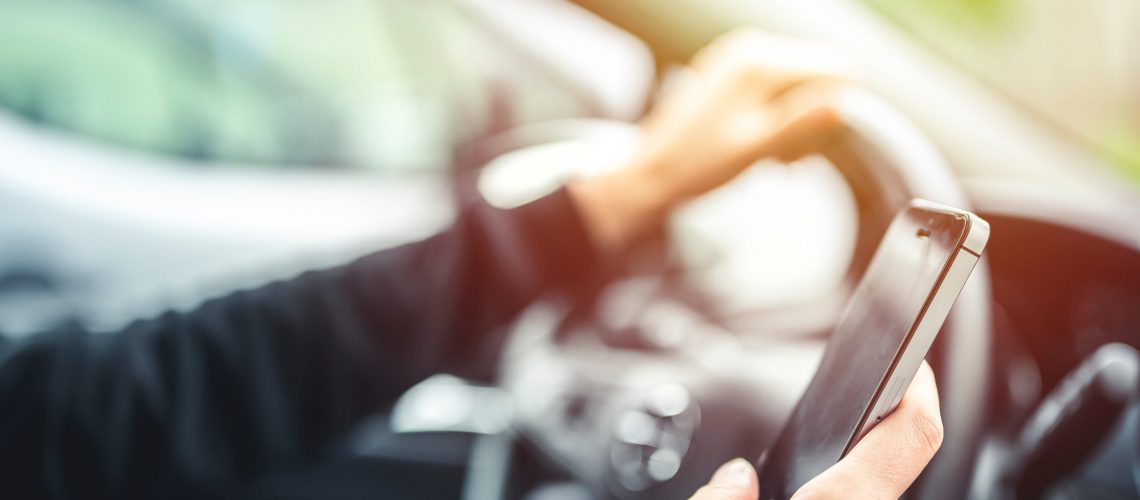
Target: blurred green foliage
pixel 1123 146
pixel 974 14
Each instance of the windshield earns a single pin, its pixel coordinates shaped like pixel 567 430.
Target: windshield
pixel 1073 64
pixel 383 84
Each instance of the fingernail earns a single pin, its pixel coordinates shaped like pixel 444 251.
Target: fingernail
pixel 736 472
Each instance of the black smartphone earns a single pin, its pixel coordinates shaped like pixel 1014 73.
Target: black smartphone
pixel 892 318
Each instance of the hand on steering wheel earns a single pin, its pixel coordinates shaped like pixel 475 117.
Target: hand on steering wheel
pixel 747 96
pixel 882 465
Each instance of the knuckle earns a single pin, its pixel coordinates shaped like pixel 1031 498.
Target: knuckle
pixel 752 71
pixel 741 72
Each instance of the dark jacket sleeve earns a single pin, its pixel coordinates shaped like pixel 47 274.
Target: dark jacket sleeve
pixel 266 377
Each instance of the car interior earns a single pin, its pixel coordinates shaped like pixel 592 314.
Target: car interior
pixel 162 152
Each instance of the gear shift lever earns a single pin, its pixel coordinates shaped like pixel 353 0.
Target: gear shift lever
pixel 1071 422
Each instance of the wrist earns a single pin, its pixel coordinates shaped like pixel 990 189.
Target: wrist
pixel 623 207
pixel 649 186
pixel 656 183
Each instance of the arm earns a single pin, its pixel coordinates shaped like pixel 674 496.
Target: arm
pixel 267 377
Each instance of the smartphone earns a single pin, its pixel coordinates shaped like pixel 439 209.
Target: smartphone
pixel 896 311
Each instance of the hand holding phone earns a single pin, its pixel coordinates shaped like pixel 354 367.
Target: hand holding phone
pixel 878 346
pixel 882 465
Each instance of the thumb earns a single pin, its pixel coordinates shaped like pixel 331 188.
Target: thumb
pixel 735 480
pixel 889 458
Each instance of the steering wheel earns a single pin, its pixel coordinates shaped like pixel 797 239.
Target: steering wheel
pixel 642 421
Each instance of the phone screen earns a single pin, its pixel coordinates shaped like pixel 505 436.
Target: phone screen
pixel 879 320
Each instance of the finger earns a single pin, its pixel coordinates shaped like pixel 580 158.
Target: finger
pixel 806 120
pixel 892 455
pixel 735 480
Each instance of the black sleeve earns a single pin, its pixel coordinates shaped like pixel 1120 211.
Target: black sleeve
pixel 266 377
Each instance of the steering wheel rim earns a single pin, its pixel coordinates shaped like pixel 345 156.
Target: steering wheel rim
pixel 886 161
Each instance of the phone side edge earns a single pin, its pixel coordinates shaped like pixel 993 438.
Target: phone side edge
pixel 914 352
